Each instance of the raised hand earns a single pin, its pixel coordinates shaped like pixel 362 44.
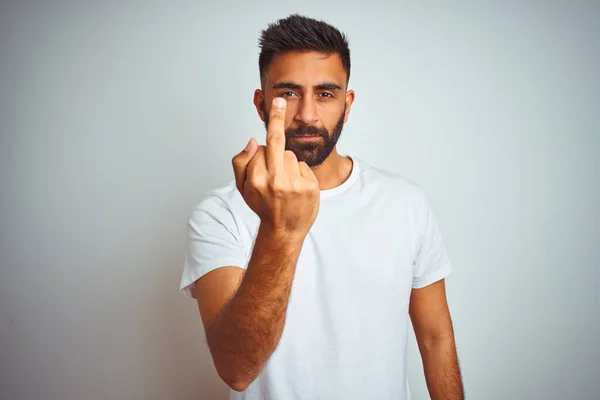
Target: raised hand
pixel 283 192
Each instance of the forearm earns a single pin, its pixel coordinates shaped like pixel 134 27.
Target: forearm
pixel 442 372
pixel 248 329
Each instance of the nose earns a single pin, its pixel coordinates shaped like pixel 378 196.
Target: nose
pixel 307 111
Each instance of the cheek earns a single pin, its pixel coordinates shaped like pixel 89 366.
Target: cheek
pixel 290 113
pixel 331 116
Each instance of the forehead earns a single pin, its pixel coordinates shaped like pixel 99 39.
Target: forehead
pixel 306 68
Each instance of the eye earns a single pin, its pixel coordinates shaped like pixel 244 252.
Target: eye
pixel 326 95
pixel 287 93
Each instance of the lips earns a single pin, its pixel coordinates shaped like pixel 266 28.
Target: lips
pixel 306 138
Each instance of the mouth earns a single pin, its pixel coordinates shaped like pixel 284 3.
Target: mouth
pixel 306 138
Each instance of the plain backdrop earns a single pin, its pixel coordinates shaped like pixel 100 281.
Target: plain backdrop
pixel 116 117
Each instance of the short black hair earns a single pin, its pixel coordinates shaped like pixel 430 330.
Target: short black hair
pixel 300 33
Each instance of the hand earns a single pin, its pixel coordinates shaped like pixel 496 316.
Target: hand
pixel 283 192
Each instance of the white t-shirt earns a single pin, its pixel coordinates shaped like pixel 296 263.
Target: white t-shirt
pixel 374 239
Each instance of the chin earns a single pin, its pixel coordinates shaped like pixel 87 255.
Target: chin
pixel 312 160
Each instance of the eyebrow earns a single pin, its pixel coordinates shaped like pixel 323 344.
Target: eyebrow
pixel 322 86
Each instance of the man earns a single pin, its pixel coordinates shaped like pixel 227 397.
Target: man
pixel 308 265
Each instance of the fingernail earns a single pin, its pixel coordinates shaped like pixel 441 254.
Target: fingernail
pixel 249 145
pixel 279 102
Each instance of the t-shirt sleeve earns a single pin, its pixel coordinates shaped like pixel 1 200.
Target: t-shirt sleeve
pixel 431 262
pixel 212 242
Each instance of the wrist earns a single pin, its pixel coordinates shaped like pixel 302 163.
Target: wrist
pixel 292 239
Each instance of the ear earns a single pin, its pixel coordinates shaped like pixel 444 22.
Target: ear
pixel 259 103
pixel 349 100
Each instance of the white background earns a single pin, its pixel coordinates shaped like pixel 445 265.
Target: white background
pixel 116 117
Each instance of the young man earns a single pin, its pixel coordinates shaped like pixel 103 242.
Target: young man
pixel 307 267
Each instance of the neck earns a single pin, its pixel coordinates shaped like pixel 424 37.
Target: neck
pixel 333 171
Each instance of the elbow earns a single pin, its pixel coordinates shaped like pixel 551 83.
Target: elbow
pixel 237 384
pixel 231 372
pixel 236 380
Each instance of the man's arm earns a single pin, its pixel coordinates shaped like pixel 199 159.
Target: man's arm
pixel 283 192
pixel 431 320
pixel 244 324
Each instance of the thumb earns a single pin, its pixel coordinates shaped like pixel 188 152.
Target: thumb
pixel 251 146
pixel 240 163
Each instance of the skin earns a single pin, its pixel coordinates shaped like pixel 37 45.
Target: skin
pixel 430 316
pixel 243 311
pixel 309 105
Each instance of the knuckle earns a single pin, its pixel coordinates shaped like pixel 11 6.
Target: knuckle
pixel 304 168
pixel 250 178
pixel 296 185
pixel 259 155
pixel 302 189
pixel 276 115
pixel 312 186
pixel 277 185
pixel 256 181
pixel 274 140
pixel 290 156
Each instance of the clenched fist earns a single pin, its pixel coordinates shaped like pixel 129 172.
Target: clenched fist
pixel 283 192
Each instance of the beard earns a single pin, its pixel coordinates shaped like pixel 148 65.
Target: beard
pixel 315 152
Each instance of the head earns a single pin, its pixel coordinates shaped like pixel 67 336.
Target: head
pixel 307 62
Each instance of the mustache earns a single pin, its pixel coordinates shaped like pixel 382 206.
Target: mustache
pixel 306 130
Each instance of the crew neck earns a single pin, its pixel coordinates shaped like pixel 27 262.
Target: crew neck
pixel 327 193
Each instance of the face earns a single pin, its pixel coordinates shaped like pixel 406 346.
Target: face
pixel 314 86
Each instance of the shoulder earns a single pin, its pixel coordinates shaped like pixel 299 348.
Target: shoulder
pixel 224 202
pixel 223 197
pixel 392 183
